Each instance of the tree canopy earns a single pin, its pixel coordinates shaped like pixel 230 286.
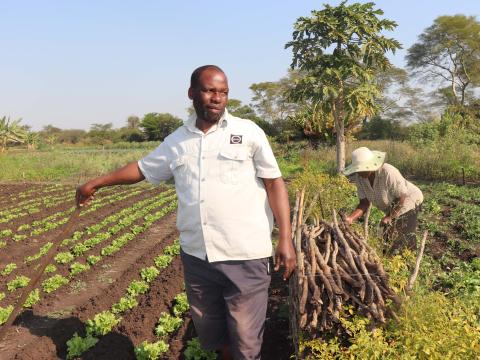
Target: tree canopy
pixel 449 52
pixel 339 49
pixel 157 126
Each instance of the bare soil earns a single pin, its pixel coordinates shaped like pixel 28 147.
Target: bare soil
pixel 42 332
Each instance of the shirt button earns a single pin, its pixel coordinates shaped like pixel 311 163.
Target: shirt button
pixel 202 201
pixel 205 223
pixel 203 179
pixel 203 157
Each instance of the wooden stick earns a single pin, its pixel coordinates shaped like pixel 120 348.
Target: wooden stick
pixel 365 222
pixel 414 275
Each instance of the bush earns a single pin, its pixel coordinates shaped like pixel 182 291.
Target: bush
pixel 324 192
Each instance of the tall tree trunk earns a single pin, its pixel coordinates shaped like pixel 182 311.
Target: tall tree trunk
pixel 340 134
pixel 340 130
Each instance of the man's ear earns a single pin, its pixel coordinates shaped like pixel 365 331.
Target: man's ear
pixel 190 93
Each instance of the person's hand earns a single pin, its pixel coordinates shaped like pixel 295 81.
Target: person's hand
pixel 85 194
pixel 285 256
pixel 349 220
pixel 387 220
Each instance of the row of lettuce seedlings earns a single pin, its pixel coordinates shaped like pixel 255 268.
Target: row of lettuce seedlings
pixel 59 218
pixel 123 217
pixel 56 281
pixel 103 322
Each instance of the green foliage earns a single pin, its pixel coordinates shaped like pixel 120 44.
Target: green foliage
pixel 8 269
pixel 77 345
pixel 167 324
pixel 20 281
pixel 2 296
pixel 64 257
pixel 32 298
pixel 50 268
pixel 53 283
pixel 162 261
pixel 5 313
pixel 93 259
pixel 137 287
pixel 195 351
pixel 430 327
pixel 76 268
pixel 449 51
pixel 382 128
pixel 157 126
pixel 11 132
pixel 172 250
pixel 150 351
pixel 102 323
pixel 149 274
pixel 181 304
pixel 340 49
pixel 125 303
pixel 324 192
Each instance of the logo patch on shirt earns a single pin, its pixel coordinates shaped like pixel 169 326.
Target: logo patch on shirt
pixel 236 139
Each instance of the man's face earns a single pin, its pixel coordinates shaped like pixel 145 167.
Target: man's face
pixel 210 96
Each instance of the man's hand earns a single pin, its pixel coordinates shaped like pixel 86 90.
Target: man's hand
pixel 285 256
pixel 349 220
pixel 85 194
pixel 387 220
pixel 129 174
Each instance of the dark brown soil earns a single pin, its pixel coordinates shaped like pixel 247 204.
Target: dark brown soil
pixel 42 333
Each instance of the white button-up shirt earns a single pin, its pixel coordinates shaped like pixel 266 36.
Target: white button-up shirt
pixel 223 209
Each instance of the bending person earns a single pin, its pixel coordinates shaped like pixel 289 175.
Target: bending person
pixel 382 185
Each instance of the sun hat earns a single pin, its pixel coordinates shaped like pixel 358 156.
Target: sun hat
pixel 364 159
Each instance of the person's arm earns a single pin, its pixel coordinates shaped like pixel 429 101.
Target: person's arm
pixel 278 200
pixel 129 174
pixel 396 209
pixel 361 209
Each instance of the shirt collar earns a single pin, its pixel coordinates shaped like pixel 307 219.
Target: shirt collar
pixel 191 121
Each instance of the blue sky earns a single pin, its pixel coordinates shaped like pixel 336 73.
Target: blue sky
pixel 74 63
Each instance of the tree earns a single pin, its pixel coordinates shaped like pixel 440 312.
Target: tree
pixel 101 133
pixel 32 139
pixel 156 127
pixel 11 132
pixel 400 101
pixel 133 122
pixel 449 51
pixel 340 49
pixel 236 108
pixel 270 98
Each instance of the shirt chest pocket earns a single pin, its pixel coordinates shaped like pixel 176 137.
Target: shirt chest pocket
pixel 233 163
pixel 181 173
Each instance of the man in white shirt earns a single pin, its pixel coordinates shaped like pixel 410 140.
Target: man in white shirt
pixel 228 186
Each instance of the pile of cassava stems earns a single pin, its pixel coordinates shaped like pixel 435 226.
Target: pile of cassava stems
pixel 335 267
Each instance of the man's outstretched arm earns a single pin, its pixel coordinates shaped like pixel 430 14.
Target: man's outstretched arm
pixel 129 174
pixel 278 200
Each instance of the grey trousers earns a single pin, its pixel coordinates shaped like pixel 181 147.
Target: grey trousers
pixel 228 303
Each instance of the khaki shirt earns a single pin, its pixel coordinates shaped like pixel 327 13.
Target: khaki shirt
pixel 387 188
pixel 223 209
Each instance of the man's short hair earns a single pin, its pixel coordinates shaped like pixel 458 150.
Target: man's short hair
pixel 195 78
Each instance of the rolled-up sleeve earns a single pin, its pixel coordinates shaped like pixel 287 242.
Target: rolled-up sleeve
pixel 266 166
pixel 360 192
pixel 156 165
